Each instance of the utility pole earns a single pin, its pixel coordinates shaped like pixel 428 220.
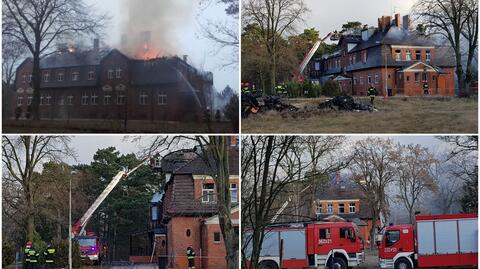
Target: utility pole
pixel 70 226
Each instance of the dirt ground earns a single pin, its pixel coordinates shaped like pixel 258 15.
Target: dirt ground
pixel 394 115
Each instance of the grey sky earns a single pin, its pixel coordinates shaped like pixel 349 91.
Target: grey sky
pixel 86 145
pixel 201 52
pixel 329 15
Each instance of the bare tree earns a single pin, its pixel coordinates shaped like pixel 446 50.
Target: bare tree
pixel 38 24
pixel 274 18
pixel 454 20
pixel 449 187
pixel 373 168
pixel 414 178
pixel 12 53
pixel 22 157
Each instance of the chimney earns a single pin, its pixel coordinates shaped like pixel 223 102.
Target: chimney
pixel 96 44
pixel 337 178
pixel 406 22
pixel 384 23
pixel 397 20
pixel 185 57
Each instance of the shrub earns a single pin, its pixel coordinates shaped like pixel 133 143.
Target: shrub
pixel 331 88
pixel 8 253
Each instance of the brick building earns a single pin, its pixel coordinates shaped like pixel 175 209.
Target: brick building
pixel 393 58
pixel 106 84
pixel 342 200
pixel 190 209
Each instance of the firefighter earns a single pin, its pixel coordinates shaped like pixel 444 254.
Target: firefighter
pixel 49 254
pixel 245 87
pixel 425 88
pixel 33 257
pixel 191 257
pixel 371 92
pixel 28 245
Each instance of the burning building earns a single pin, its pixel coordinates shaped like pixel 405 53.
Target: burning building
pixel 108 84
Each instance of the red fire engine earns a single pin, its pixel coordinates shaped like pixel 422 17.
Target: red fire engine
pixel 322 245
pixel 437 241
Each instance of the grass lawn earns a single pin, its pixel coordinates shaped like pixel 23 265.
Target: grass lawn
pixel 394 115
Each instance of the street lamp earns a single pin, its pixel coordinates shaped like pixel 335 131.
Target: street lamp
pixel 70 221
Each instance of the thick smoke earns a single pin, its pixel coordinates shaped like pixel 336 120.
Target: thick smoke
pixel 150 27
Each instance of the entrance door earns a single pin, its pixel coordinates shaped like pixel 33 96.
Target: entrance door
pixel 441 88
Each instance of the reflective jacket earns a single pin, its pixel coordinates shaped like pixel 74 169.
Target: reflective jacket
pixel 33 255
pixel 25 252
pixel 371 91
pixel 49 254
pixel 425 85
pixel 190 253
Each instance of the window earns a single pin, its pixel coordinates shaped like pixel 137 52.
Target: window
pixel 216 237
pixel 107 99
pixel 233 193
pixel 46 76
pixel 398 55
pixel 29 100
pixel 352 208
pixel 365 56
pixel 319 208
pixel 120 98
pixel 354 80
pixel 42 99
pixel 408 78
pixel 154 213
pixel 354 58
pixel 70 100
pixel 24 78
pixel 409 55
pixel 110 74
pixel 433 77
pixel 392 237
pixel 61 101
pixel 369 79
pixel 19 101
pixel 207 193
pixel 418 55
pixel 29 78
pixel 361 80
pixel 346 232
pixel 84 99
pixel 341 208
pixel 351 59
pixel 118 73
pixel 377 79
pixel 94 99
pixel 425 76
pixel 91 75
pixel 317 66
pixel 75 76
pixel 324 233
pixel 417 77
pixel 329 208
pixel 427 55
pixel 48 100
pixel 60 76
pixel 188 232
pixel 162 99
pixel 157 163
pixel 143 98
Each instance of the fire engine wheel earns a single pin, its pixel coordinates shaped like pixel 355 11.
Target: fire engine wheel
pixel 337 263
pixel 402 264
pixel 268 265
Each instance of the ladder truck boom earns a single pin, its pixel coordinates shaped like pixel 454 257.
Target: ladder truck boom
pixel 79 227
pixel 285 204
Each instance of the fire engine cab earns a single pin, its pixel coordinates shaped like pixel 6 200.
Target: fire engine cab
pixel 322 245
pixel 437 241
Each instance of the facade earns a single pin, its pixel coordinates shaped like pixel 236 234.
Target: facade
pixel 106 84
pixel 342 200
pixel 190 209
pixel 393 58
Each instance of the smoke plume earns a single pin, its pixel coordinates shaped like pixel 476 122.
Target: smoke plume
pixel 150 27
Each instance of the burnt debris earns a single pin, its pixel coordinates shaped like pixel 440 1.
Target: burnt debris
pixel 345 103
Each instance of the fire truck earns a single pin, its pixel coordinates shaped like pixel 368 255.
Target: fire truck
pixel 321 244
pixel 91 246
pixel 435 241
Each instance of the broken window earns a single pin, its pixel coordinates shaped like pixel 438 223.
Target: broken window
pixel 75 76
pixel 216 237
pixel 110 74
pixel 233 193
pixel 19 101
pixel 208 193
pixel 162 99
pixel 409 55
pixel 398 55
pixel 70 100
pixel 324 233
pixel 85 99
pixel 91 75
pixel 107 99
pixel 143 98
pixel 427 55
pixel 94 99
pixel 341 208
pixel 352 207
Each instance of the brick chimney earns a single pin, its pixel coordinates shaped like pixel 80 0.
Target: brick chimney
pixel 406 22
pixel 384 23
pixel 397 20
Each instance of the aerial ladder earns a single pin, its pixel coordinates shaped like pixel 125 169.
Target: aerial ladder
pixel 285 204
pixel 297 74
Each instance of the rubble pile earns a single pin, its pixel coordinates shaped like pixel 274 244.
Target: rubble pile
pixel 346 103
pixel 274 103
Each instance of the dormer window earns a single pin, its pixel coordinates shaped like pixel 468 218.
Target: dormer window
pixel 208 193
pixel 319 208
pixel 75 76
pixel 398 55
pixel 427 55
pixel 418 55
pixel 352 208
pixel 409 55
pixel 330 208
pixel 46 76
pixel 91 75
pixel 341 208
